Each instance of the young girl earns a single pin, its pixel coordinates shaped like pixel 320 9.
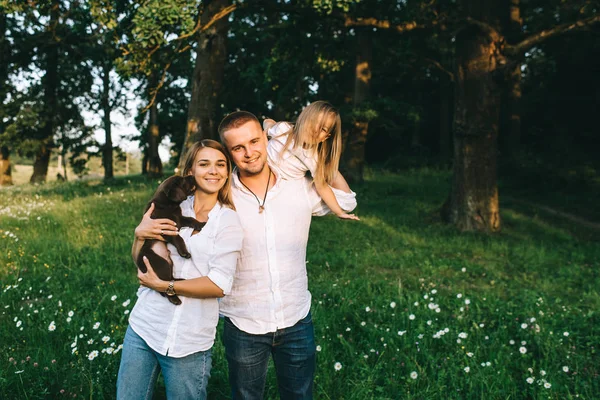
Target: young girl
pixel 313 144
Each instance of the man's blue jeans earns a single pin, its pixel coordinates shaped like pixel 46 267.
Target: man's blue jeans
pixel 185 377
pixel 293 351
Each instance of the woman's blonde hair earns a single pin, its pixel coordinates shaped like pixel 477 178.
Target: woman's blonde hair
pixel 310 122
pixel 224 195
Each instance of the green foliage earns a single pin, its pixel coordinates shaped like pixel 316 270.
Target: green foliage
pixel 66 248
pixel 156 24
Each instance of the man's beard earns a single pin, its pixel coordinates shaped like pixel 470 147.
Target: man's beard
pixel 254 171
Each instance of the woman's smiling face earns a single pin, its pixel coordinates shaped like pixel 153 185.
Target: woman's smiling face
pixel 210 170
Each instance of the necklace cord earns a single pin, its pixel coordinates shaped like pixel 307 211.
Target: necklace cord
pixel 261 206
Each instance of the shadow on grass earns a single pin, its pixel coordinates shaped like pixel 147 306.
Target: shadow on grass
pixel 402 240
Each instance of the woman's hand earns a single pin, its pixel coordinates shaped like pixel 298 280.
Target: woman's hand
pixel 154 228
pixel 150 279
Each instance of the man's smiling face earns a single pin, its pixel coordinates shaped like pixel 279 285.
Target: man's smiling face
pixel 247 145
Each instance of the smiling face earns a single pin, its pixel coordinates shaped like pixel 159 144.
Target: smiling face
pixel 247 145
pixel 210 170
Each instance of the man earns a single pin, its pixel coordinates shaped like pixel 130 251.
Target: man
pixel 268 309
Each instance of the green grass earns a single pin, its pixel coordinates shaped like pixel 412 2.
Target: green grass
pixel 367 278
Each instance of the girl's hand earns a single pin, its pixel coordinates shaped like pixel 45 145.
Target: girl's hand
pixel 267 124
pixel 150 279
pixel 154 228
pixel 348 216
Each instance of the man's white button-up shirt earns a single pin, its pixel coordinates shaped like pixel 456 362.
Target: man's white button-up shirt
pixel 270 288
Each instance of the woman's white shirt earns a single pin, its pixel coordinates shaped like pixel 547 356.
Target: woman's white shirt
pixel 293 163
pixel 178 331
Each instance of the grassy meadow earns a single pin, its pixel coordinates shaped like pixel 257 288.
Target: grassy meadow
pixel 404 306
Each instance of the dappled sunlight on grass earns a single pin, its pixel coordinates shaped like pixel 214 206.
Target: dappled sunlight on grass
pixel 404 306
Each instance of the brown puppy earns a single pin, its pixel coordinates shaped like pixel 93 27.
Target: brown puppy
pixel 166 201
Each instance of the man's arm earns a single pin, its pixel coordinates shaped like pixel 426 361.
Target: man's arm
pixel 151 229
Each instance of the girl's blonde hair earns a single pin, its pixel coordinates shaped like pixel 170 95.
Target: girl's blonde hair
pixel 310 122
pixel 224 195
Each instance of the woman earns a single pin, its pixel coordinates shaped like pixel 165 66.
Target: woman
pixel 177 339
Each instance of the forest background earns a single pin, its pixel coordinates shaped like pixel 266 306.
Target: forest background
pixel 458 116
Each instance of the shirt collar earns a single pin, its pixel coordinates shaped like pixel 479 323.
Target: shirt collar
pixel 237 184
pixel 187 208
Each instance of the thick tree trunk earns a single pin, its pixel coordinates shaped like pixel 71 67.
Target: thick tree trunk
pixel 107 151
pixel 415 139
pixel 5 168
pixel 3 63
pixel 211 55
pixel 50 84
pixel 154 168
pixel 445 120
pixel 354 151
pixel 473 202
pixel 40 164
pixel 510 111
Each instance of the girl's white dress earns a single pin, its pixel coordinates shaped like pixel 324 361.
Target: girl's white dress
pixel 294 163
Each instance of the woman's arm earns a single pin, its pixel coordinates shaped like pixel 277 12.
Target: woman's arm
pixel 221 266
pixel 200 288
pixel 151 229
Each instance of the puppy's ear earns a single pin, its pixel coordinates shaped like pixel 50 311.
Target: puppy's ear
pixel 190 183
pixel 170 187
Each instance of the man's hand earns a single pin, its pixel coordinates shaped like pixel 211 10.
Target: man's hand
pixel 150 279
pixel 154 228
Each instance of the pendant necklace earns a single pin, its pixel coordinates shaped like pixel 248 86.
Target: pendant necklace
pixel 261 207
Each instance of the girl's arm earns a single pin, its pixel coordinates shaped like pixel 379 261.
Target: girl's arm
pixel 329 198
pixel 340 183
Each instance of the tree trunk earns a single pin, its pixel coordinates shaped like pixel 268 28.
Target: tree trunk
pixel 354 151
pixel 510 111
pixel 50 84
pixel 5 168
pixel 445 119
pixel 211 55
pixel 473 202
pixel 4 49
pixel 154 168
pixel 63 152
pixel 40 165
pixel 107 151
pixel 415 139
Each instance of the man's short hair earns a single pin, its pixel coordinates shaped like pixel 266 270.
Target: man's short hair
pixel 235 120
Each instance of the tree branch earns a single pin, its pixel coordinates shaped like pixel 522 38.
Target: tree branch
pixel 201 28
pixel 383 24
pixel 539 37
pixel 155 90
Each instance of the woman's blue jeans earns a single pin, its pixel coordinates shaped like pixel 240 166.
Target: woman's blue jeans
pixel 185 377
pixel 294 355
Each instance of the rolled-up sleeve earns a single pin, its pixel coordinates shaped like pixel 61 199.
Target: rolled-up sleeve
pixel 228 244
pixel 346 200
